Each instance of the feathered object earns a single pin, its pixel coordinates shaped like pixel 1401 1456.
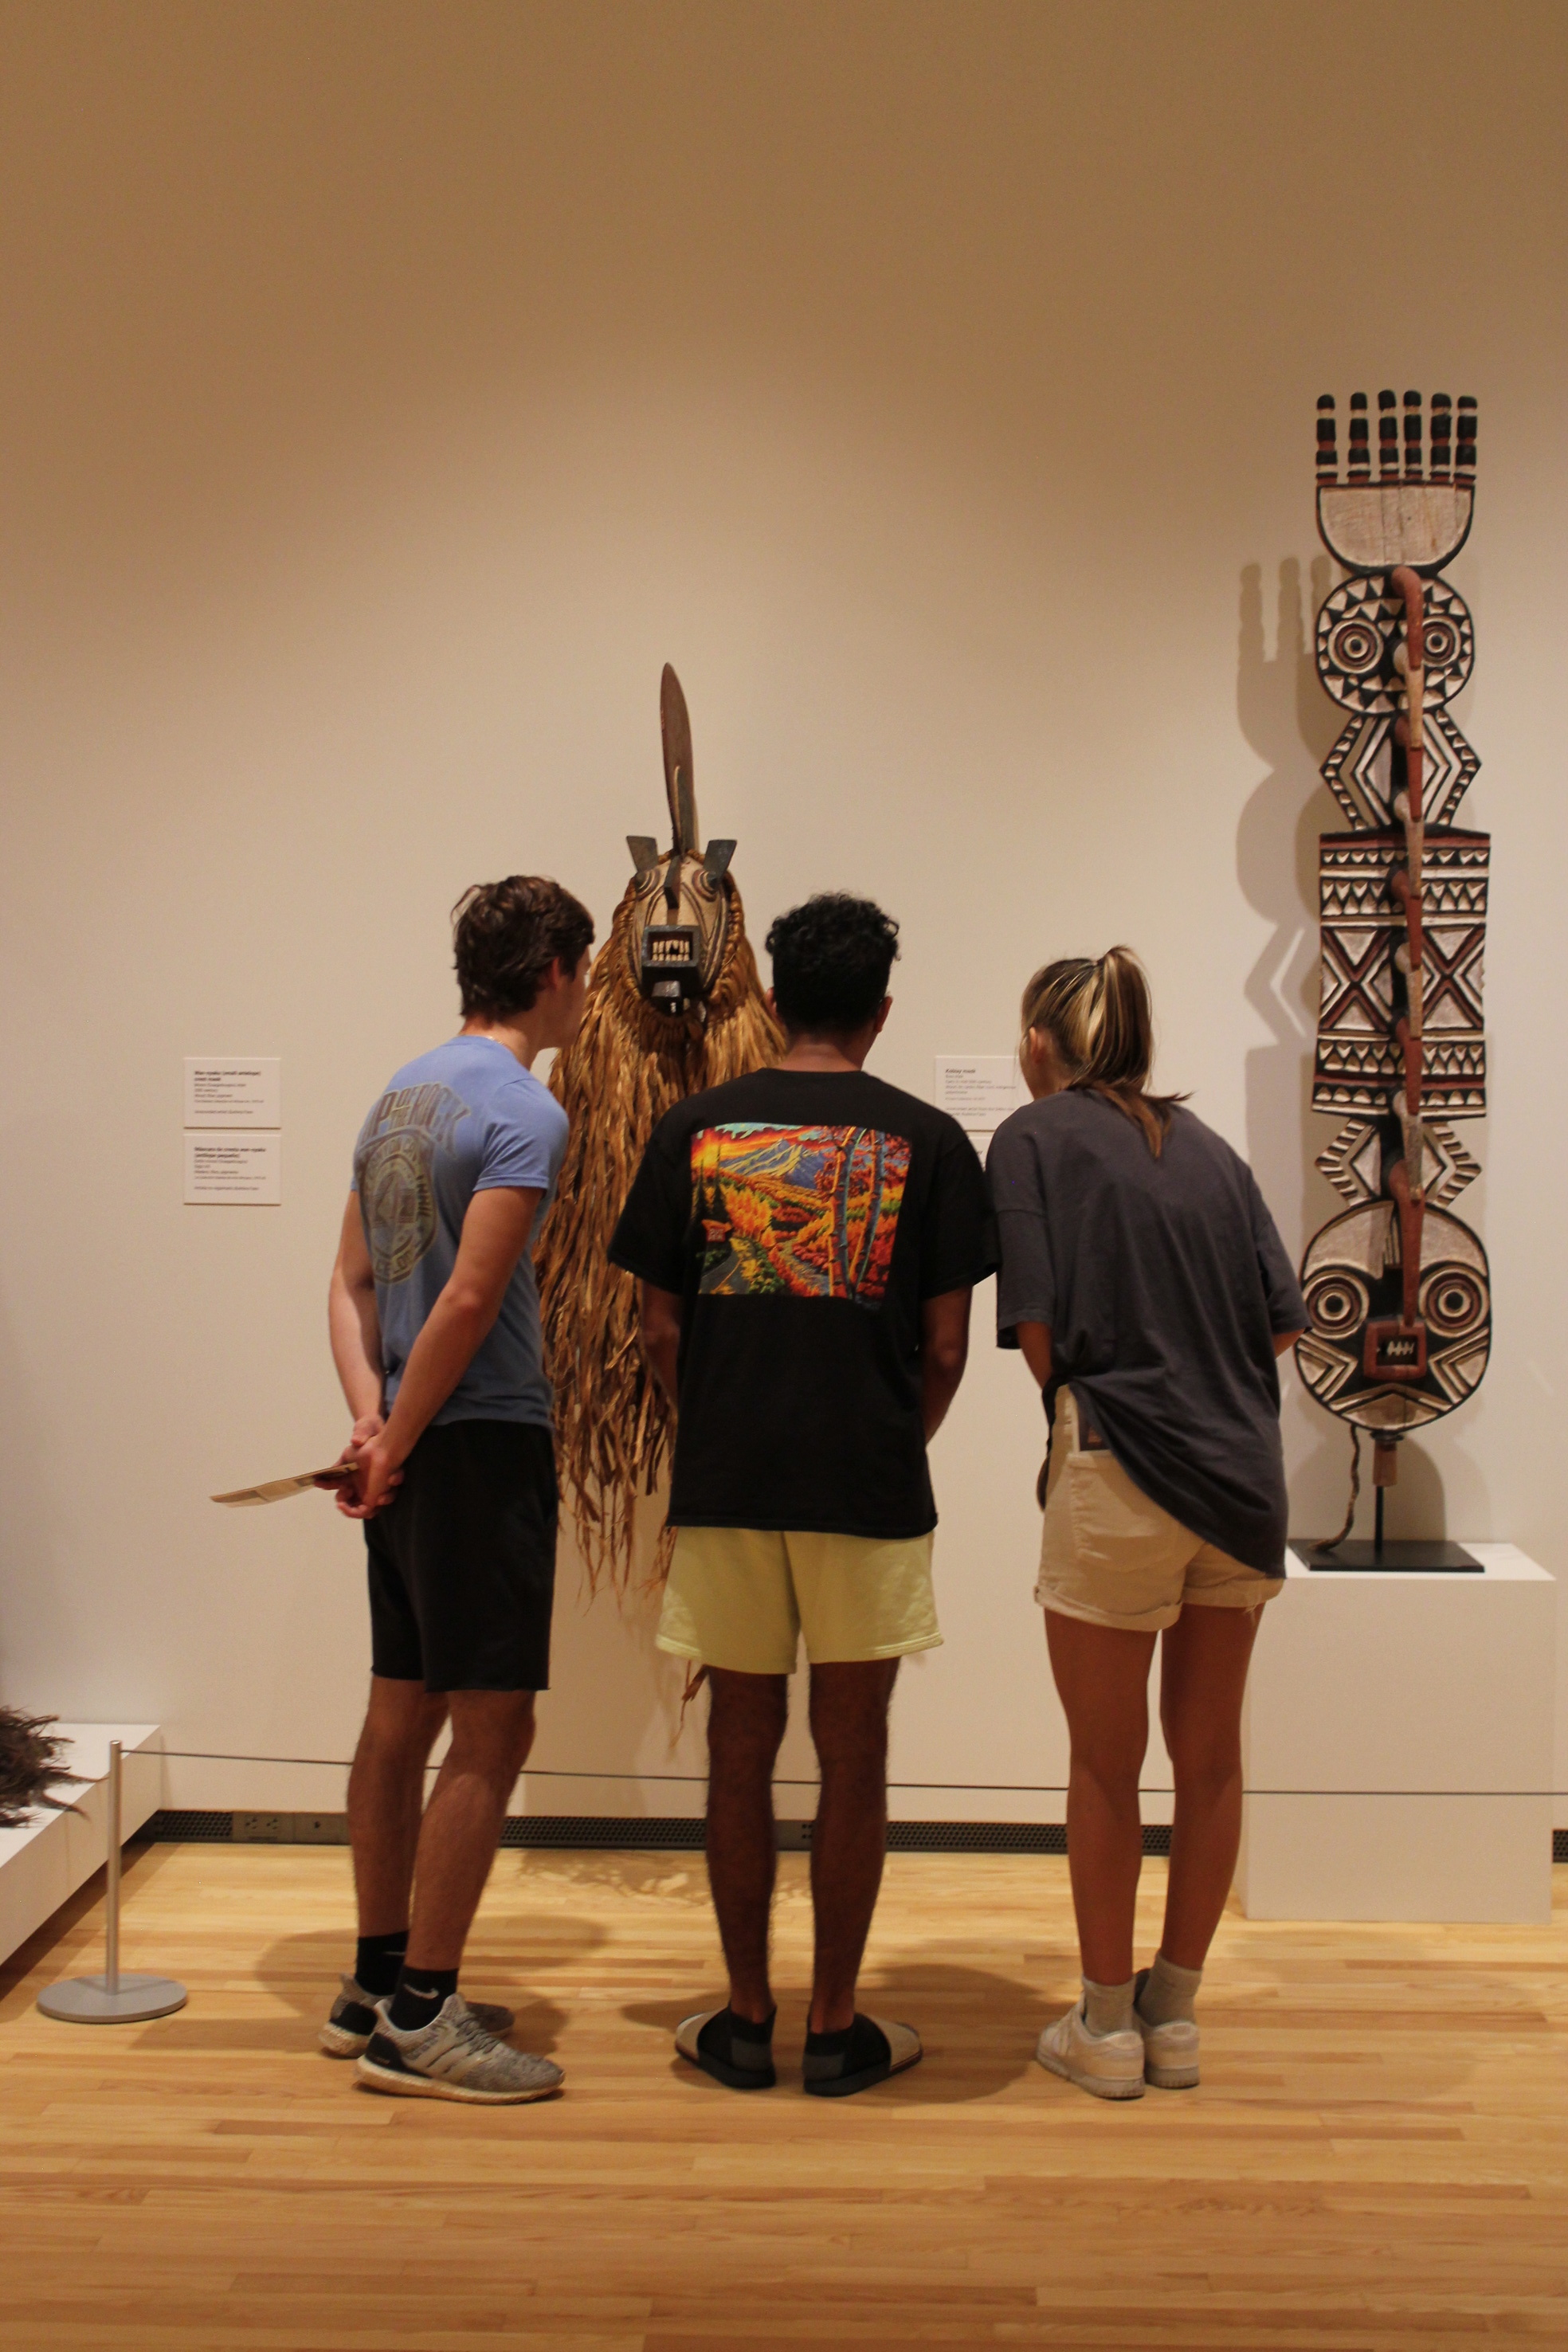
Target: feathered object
pixel 674 1005
pixel 31 1761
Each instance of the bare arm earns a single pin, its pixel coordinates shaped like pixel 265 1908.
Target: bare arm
pixel 944 1351
pixel 495 1235
pixel 659 1327
pixel 1286 1340
pixel 352 1320
pixel 1035 1345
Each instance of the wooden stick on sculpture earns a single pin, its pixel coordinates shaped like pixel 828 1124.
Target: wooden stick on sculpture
pixel 1398 1289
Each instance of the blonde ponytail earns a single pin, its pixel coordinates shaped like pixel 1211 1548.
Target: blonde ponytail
pixel 1099 1018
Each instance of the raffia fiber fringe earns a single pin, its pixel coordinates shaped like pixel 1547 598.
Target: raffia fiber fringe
pixel 627 1065
pixel 32 1759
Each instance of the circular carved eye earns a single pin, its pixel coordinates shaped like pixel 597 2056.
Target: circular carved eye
pixel 1442 643
pixel 1338 1303
pixel 1355 646
pixel 1453 1301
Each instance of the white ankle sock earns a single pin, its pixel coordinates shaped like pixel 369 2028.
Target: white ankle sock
pixel 1108 2009
pixel 1168 1993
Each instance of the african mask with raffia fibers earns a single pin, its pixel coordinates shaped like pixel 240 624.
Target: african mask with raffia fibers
pixel 674 1005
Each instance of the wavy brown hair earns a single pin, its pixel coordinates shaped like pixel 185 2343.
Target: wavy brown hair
pixel 1100 1017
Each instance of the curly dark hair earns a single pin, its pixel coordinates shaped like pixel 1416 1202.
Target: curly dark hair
pixel 831 961
pixel 506 934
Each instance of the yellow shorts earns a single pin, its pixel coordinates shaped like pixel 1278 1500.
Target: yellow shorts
pixel 1112 1556
pixel 741 1598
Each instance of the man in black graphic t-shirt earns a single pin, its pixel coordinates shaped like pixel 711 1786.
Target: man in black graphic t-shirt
pixel 806 1241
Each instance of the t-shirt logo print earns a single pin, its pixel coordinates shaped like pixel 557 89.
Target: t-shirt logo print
pixel 393 1168
pixel 807 1212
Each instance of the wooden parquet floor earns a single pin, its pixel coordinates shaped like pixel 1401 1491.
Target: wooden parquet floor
pixel 1377 2159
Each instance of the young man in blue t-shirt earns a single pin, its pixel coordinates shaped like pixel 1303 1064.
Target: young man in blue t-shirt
pixel 435 1333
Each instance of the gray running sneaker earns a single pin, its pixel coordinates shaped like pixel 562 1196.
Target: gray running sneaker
pixel 353 2019
pixel 454 2058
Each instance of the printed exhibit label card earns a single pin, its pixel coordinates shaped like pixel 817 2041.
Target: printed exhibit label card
pixel 234 1171
pixel 979 1090
pixel 233 1090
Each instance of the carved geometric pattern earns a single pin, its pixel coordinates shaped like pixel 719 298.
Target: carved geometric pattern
pixel 1358 771
pixel 1352 1162
pixel 1359 626
pixel 1350 1278
pixel 1360 1066
pixel 1348 1077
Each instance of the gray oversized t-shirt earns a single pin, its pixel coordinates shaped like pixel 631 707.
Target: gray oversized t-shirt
pixel 1163 1282
pixel 462 1120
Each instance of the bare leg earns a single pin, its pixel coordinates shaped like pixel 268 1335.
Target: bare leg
pixel 746 1718
pixel 849 1726
pixel 492 1732
pixel 386 1798
pixel 1102 1676
pixel 1203 1677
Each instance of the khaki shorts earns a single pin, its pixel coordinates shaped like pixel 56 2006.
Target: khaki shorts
pixel 1112 1556
pixel 741 1598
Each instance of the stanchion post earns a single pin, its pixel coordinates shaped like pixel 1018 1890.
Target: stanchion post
pixel 112 1873
pixel 111 1998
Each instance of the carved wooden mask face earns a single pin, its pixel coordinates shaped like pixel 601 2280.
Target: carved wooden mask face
pixel 1351 1277
pixel 681 917
pixel 680 924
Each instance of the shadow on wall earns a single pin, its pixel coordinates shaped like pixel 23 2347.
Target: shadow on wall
pixel 1291 723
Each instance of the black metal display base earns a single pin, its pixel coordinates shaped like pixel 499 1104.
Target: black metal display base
pixel 1392 1559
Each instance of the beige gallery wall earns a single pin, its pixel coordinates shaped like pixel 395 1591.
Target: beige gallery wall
pixel 390 390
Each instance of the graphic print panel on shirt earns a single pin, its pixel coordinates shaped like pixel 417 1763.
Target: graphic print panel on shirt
pixel 805 1211
pixel 394 1171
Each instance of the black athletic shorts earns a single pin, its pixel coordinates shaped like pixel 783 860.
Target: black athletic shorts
pixel 462 1560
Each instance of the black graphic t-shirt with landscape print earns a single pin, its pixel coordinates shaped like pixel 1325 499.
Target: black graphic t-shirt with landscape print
pixel 804 1217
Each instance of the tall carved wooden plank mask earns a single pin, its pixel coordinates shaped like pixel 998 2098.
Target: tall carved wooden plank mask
pixel 1397 1288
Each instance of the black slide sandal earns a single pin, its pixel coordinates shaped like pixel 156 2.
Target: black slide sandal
pixel 839 2065
pixel 731 2049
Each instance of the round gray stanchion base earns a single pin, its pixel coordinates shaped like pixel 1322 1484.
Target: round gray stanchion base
pixel 87 2001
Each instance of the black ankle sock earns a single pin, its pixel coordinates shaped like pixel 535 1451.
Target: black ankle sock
pixel 419 1996
pixel 855 2046
pixel 377 1959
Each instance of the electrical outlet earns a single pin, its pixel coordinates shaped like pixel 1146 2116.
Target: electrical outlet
pixel 264 1829
pixel 320 1829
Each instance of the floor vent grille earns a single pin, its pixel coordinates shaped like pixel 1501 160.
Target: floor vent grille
pixel 672 1834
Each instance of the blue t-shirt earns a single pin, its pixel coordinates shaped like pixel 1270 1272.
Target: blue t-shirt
pixel 462 1120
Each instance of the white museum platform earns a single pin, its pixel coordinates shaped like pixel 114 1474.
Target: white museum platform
pixel 1398 1744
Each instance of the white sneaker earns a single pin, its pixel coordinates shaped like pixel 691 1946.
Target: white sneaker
pixel 1109 2065
pixel 453 2058
pixel 1170 2050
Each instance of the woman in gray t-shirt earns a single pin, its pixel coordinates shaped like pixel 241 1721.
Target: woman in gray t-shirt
pixel 1144 1282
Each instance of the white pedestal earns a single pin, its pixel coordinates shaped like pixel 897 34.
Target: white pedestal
pixel 1398 1745
pixel 53 1854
